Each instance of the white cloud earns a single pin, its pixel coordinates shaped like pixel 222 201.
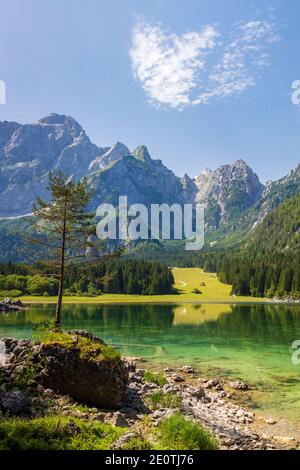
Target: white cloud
pixel 190 69
pixel 168 65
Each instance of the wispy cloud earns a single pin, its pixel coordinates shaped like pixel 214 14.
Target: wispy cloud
pixel 189 69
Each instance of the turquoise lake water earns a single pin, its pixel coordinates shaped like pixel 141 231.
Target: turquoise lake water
pixel 249 342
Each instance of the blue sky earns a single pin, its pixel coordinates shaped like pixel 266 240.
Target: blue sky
pixel 201 83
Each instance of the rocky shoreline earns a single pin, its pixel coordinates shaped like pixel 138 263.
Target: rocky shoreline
pixel 286 300
pixel 206 402
pixel 9 305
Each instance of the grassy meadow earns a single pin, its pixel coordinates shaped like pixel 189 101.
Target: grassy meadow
pixel 186 281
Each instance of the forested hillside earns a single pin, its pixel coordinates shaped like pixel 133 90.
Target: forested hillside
pixel 113 277
pixel 269 264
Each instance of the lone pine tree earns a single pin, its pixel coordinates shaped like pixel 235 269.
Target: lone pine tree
pixel 67 227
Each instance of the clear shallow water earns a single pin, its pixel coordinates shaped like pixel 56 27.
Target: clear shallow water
pixel 250 342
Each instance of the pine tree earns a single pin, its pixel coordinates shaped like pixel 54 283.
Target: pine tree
pixel 66 226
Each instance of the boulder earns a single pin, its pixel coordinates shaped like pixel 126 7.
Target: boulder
pixel 8 305
pixel 212 383
pixel 118 419
pixel 92 380
pixel 15 403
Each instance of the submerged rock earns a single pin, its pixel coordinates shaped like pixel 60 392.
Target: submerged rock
pixel 239 386
pixel 187 369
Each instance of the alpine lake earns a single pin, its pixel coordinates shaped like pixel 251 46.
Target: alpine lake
pixel 248 342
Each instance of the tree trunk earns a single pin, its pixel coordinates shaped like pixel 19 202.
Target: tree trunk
pixel 57 322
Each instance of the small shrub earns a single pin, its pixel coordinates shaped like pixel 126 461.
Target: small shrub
pixel 196 291
pixel 164 400
pixel 137 443
pixel 159 379
pixel 179 433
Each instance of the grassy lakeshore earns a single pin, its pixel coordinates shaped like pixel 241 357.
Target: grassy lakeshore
pixel 186 280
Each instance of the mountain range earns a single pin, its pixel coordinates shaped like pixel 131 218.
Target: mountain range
pixel 235 199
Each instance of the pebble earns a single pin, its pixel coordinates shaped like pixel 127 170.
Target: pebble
pixel 270 421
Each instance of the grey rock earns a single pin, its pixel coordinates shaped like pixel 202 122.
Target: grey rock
pixel 239 385
pixel 177 378
pixel 187 369
pixel 212 383
pixel 118 419
pixel 94 382
pixel 15 403
pixel 125 439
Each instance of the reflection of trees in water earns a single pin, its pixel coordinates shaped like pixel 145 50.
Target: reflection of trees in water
pixel 264 323
pixel 23 318
pixel 125 317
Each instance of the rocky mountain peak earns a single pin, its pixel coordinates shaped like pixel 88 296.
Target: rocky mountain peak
pixel 111 155
pixel 141 153
pixel 28 152
pixel 63 121
pixel 228 191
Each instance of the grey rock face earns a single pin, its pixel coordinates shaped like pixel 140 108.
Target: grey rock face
pixel 138 177
pixel 228 191
pixel 276 192
pixel 113 154
pixel 57 142
pixel 28 152
pixel 232 194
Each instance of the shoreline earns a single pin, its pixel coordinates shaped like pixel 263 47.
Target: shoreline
pixel 186 281
pixel 145 400
pixel 150 396
pixel 273 428
pixel 181 299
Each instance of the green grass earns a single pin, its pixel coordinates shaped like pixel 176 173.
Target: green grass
pixel 164 400
pixel 186 281
pixel 137 443
pixel 158 379
pixel 54 433
pixel 179 433
pixel 88 349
